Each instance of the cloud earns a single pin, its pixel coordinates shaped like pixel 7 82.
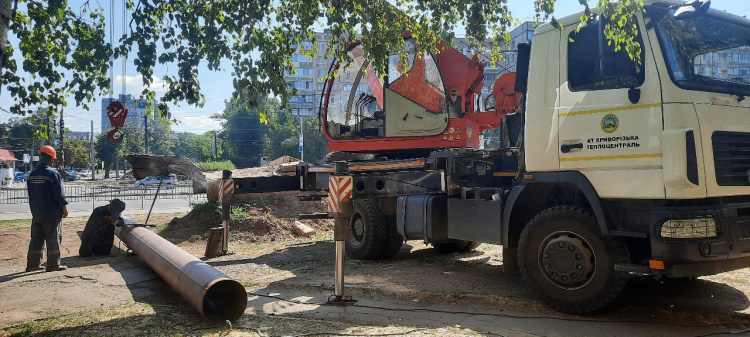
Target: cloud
pixel 135 85
pixel 196 124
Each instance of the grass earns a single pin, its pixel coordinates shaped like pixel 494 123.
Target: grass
pixel 15 223
pixel 238 213
pixel 205 206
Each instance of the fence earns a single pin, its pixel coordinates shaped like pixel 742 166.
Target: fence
pixel 106 193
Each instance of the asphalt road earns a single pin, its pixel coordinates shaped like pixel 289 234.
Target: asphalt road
pixel 84 208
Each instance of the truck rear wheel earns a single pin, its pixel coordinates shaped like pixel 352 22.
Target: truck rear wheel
pixel 455 246
pixel 393 240
pixel 366 232
pixel 569 263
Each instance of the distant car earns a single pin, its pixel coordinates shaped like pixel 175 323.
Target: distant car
pixel 168 181
pixel 85 174
pixel 73 176
pixel 19 177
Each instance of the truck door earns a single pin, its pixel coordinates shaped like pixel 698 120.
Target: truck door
pixel 610 114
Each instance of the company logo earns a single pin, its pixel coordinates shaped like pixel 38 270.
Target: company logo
pixel 610 123
pixel 468 131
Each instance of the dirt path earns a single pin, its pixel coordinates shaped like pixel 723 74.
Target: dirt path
pixel 288 282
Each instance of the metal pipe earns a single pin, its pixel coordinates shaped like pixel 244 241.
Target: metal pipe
pixel 338 290
pixel 215 295
pixel 225 210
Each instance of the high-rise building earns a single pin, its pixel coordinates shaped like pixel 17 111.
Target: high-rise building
pixel 308 77
pixel 136 110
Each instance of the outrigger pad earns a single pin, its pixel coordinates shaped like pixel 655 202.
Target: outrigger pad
pixel 150 166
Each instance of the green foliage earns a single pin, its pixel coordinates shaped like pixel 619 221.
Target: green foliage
pixel 196 147
pixel 109 153
pixel 216 166
pixel 206 206
pixel 283 138
pixel 76 153
pixel 243 131
pixel 238 213
pixel 257 37
pixel 55 40
pixel 620 29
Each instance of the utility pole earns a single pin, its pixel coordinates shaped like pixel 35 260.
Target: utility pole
pixel 145 131
pixel 92 162
pixel 49 131
pixel 62 138
pixel 213 146
pixel 301 137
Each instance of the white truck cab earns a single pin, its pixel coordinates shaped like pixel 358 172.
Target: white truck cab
pixel 658 155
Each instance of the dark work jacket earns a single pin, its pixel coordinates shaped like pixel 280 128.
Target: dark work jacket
pixel 46 193
pixel 99 234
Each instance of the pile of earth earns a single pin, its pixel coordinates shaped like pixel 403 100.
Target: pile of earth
pixel 263 218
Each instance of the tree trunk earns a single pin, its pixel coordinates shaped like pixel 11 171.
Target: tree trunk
pixel 107 167
pixel 6 11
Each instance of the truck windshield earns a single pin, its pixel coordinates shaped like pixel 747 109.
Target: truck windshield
pixel 707 53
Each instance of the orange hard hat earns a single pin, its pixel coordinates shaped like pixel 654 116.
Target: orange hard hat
pixel 49 150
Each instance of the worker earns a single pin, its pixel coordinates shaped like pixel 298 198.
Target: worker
pixel 99 234
pixel 48 206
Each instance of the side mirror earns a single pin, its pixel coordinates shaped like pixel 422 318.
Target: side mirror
pixel 692 9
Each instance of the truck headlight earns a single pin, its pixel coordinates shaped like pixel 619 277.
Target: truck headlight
pixel 689 228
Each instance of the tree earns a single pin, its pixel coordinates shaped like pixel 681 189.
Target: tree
pixel 76 153
pixel 282 139
pixel 196 147
pixel 243 131
pixel 114 153
pixel 54 38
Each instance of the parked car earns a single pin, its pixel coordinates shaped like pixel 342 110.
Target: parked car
pixel 169 181
pixel 85 174
pixel 19 177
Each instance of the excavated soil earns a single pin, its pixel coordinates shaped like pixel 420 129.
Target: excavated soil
pixel 264 218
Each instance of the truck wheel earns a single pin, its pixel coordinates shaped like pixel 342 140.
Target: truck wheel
pixel 569 263
pixel 393 240
pixel 366 232
pixel 455 246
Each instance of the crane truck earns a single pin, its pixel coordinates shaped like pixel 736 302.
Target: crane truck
pixel 608 167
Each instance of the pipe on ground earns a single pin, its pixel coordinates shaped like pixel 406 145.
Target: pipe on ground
pixel 215 295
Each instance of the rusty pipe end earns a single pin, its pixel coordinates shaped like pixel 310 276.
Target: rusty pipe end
pixel 225 299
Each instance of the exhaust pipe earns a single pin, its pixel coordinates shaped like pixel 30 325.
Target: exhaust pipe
pixel 215 295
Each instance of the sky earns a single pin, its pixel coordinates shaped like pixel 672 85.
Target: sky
pixel 218 85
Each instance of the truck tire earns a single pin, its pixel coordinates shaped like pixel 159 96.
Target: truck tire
pixel 569 263
pixel 366 231
pixel 455 246
pixel 393 240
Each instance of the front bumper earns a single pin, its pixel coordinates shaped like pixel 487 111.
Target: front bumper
pixel 730 250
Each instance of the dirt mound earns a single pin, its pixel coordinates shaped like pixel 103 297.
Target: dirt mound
pixel 267 217
pixel 282 160
pixel 197 222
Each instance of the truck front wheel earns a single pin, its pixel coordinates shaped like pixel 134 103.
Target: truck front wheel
pixel 569 263
pixel 366 231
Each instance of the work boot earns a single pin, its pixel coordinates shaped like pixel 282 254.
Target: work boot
pixel 57 268
pixel 30 269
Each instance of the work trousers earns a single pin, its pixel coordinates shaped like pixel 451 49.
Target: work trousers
pixel 44 230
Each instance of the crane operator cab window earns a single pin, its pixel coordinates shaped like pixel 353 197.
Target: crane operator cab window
pixel 411 103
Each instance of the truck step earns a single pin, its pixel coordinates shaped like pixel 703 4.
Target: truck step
pixel 313 216
pixel 311 196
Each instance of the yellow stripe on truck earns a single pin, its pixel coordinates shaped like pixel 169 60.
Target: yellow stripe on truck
pixel 624 156
pixel 622 108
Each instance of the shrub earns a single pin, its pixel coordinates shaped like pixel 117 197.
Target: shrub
pixel 216 166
